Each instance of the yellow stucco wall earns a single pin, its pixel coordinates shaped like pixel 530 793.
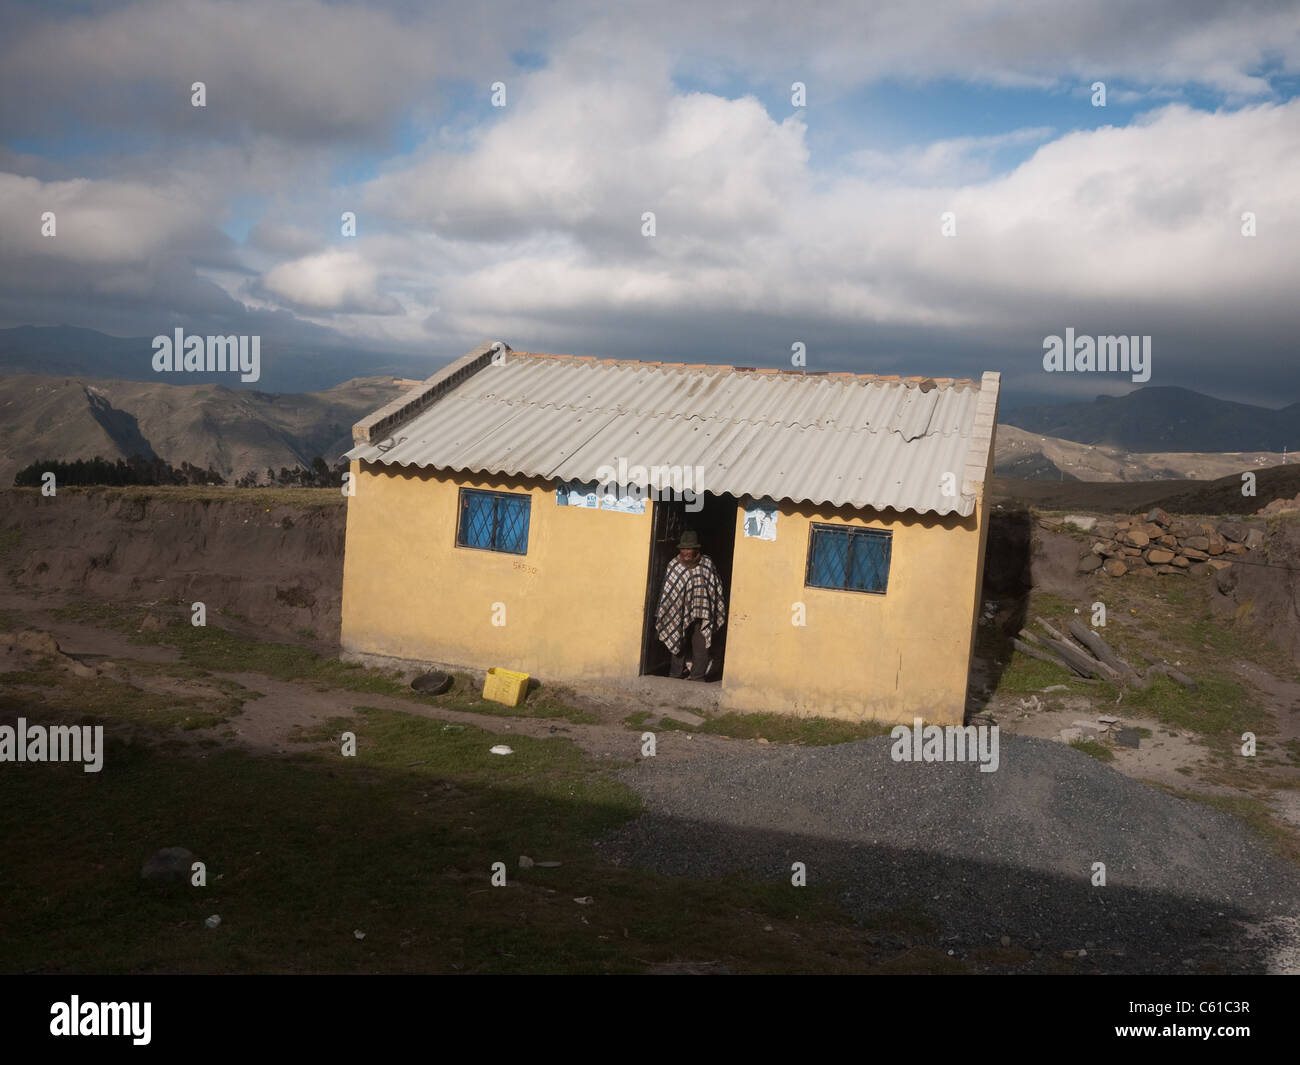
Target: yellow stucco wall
pixel 859 655
pixel 573 603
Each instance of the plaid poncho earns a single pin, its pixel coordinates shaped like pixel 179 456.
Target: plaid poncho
pixel 689 594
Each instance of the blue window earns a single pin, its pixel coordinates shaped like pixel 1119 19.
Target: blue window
pixel 494 521
pixel 842 556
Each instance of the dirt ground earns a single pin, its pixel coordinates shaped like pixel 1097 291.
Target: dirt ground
pixel 1262 591
pixel 106 565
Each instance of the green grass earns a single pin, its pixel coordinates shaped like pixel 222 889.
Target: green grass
pixel 1049 605
pixel 1098 750
pixel 1218 709
pixel 11 538
pixel 212 649
pixel 1165 621
pixel 466 694
pixel 46 691
pixel 1024 674
pixel 782 728
pixel 398 842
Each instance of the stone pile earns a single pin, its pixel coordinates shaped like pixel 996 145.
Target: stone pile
pixel 1162 544
pixel 1281 506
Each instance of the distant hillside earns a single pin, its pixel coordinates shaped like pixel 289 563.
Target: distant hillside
pixel 1220 496
pixel 206 425
pixel 1028 456
pixel 284 367
pixel 1165 419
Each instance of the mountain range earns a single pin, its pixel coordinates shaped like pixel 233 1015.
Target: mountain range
pixel 74 393
pixel 232 431
pixel 1164 418
pixel 285 367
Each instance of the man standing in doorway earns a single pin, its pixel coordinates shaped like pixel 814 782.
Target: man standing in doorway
pixel 692 608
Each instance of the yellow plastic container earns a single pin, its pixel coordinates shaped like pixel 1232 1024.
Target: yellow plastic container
pixel 505 686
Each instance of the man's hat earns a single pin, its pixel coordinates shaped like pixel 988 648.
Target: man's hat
pixel 690 539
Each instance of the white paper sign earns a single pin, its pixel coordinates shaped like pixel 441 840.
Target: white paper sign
pixel 760 520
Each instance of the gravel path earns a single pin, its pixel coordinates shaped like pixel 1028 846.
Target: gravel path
pixel 987 855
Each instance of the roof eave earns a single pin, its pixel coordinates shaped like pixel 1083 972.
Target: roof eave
pixel 979 456
pixel 376 426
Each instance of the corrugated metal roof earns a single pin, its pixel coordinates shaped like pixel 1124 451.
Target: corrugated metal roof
pixel 840 439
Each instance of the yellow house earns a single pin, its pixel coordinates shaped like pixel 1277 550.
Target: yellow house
pixel 519 510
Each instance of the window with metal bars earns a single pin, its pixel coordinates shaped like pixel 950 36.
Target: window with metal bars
pixel 494 521
pixel 848 558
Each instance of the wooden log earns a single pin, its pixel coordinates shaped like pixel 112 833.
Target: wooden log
pixel 1079 660
pixel 1049 630
pixel 1039 653
pixel 1083 664
pixel 1099 647
pixel 1098 666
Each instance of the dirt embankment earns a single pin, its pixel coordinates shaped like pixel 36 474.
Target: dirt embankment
pixel 279 566
pixel 1265 590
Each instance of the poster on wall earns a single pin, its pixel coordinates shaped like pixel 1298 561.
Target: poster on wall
pixel 594 497
pixel 624 502
pixel 760 519
pixel 576 494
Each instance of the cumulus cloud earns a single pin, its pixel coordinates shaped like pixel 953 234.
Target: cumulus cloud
pixel 1134 229
pixel 299 69
pixel 525 223
pixel 845 43
pixel 333 280
pixel 282 238
pixel 587 150
pixel 127 246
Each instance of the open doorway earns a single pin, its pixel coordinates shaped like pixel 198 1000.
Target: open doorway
pixel 715 523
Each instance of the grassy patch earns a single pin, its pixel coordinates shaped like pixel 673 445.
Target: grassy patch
pixel 11 538
pixel 1219 707
pixel 783 728
pixel 47 692
pixel 399 842
pixel 1025 674
pixel 1098 750
pixel 1049 605
pixel 466 694
pixel 218 651
pixel 1169 621
pixel 123 617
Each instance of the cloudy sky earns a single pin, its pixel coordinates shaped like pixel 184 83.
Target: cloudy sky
pixel 776 220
